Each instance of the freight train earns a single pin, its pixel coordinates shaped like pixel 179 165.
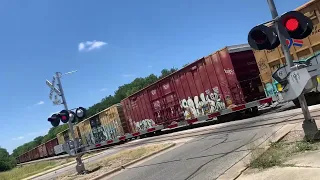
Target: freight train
pixel 222 86
pixel 212 88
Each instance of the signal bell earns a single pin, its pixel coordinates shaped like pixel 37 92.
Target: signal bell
pixel 297 24
pixel 80 112
pixel 263 37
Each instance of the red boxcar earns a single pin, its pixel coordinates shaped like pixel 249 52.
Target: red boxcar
pixel 50 146
pixel 42 150
pixel 35 154
pixel 226 78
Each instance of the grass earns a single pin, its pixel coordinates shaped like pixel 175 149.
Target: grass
pixel 27 170
pixel 116 160
pixel 279 152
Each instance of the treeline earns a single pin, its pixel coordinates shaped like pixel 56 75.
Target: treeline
pixel 121 93
pixel 7 162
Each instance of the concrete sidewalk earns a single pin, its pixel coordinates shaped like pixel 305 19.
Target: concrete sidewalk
pixel 305 166
pixel 301 166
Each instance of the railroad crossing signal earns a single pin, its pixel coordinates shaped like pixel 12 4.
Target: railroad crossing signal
pixel 53 89
pixel 292 24
pixel 296 78
pixel 65 116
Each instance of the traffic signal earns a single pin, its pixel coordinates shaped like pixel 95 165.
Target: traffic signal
pixel 292 24
pixel 55 120
pixel 263 37
pixel 64 116
pixel 297 25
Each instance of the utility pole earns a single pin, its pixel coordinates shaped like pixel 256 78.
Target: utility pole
pixel 80 165
pixel 309 125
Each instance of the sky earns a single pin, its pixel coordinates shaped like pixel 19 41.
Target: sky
pixel 109 43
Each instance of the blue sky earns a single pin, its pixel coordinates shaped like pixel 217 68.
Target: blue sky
pixel 109 43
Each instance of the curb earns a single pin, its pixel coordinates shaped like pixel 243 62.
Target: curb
pixel 132 162
pixel 236 170
pixel 59 167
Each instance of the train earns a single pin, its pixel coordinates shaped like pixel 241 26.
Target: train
pixel 211 88
pixel 229 83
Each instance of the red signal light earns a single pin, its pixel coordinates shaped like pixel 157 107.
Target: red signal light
pixel 63 118
pixel 292 24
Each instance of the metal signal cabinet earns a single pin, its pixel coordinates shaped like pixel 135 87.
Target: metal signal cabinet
pixel 224 79
pixel 270 60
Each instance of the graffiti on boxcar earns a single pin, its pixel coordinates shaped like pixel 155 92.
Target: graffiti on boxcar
pixel 262 64
pixel 100 134
pixel 229 71
pixel 144 124
pixel 208 102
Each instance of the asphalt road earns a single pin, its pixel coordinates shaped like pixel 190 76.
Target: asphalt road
pixel 205 154
pixel 213 152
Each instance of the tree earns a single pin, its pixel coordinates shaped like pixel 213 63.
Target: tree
pixel 38 140
pixel 7 162
pixel 185 65
pixel 166 72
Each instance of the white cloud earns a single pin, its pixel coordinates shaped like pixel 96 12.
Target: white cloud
pixel 90 45
pixel 40 103
pixel 18 138
pixel 81 46
pixel 104 89
pixel 128 75
pixel 149 66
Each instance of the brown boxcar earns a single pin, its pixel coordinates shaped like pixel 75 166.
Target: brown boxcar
pixel 107 124
pixel 270 60
pixel 50 146
pixel 34 154
pixel 225 78
pixel 42 151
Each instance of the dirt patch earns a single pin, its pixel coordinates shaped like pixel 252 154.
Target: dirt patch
pixel 115 161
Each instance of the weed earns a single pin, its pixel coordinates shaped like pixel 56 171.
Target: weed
pixel 305 146
pixel 278 153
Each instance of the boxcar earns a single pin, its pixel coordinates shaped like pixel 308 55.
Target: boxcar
pixel 42 151
pixel 226 78
pixel 105 125
pixel 50 146
pixel 35 154
pixel 60 138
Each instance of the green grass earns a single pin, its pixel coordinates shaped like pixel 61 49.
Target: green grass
pixel 278 153
pixel 19 173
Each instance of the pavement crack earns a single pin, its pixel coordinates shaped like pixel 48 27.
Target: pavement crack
pixel 224 140
pixel 234 150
